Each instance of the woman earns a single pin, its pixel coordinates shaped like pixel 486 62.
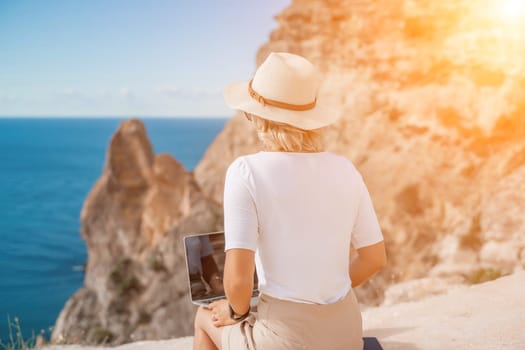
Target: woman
pixel 291 211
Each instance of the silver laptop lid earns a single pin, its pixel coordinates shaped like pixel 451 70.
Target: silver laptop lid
pixel 205 257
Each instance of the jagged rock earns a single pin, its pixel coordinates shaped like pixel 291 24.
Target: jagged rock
pixel 133 221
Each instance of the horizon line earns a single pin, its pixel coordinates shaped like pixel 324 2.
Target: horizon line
pixel 117 116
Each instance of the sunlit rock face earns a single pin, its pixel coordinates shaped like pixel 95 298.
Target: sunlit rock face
pixel 133 220
pixel 434 118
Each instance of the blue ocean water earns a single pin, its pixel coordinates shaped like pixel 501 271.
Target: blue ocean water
pixel 47 168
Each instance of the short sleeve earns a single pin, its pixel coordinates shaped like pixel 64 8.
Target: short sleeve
pixel 366 229
pixel 240 215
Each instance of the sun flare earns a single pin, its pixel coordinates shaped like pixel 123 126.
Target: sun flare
pixel 513 9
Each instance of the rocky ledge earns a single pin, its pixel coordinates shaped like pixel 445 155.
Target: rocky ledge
pixel 484 316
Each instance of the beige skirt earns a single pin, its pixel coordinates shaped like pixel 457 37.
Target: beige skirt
pixel 280 324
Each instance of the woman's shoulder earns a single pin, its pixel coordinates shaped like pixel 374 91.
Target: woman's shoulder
pixel 239 166
pixel 245 160
pixel 242 160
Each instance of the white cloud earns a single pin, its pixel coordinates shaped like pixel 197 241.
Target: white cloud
pixel 164 100
pixel 70 92
pixel 172 91
pixel 201 92
pixel 126 93
pixel 7 98
pixel 71 95
pixel 169 90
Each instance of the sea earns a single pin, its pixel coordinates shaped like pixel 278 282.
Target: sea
pixel 47 168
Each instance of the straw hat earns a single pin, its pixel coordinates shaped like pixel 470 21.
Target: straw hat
pixel 283 89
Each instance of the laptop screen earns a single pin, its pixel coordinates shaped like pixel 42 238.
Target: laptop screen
pixel 205 266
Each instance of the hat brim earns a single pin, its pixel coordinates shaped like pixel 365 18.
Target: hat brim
pixel 237 97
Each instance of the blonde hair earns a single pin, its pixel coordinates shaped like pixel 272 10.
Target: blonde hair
pixel 277 136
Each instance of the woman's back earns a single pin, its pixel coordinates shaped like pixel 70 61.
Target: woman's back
pixel 291 212
pixel 305 206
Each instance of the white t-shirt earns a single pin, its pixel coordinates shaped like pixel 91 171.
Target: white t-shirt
pixel 299 212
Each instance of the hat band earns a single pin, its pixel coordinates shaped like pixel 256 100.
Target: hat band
pixel 279 104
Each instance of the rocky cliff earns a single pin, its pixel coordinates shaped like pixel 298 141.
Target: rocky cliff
pixel 433 118
pixel 135 284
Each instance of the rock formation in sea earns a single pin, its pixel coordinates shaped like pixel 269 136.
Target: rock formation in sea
pixel 135 284
pixel 433 118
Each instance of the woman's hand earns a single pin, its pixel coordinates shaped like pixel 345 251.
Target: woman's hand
pixel 220 314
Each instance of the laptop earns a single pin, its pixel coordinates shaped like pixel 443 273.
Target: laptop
pixel 205 257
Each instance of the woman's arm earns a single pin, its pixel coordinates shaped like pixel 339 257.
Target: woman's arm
pixel 240 233
pixel 239 269
pixel 369 260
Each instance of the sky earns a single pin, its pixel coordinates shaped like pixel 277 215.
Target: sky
pixel 128 57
